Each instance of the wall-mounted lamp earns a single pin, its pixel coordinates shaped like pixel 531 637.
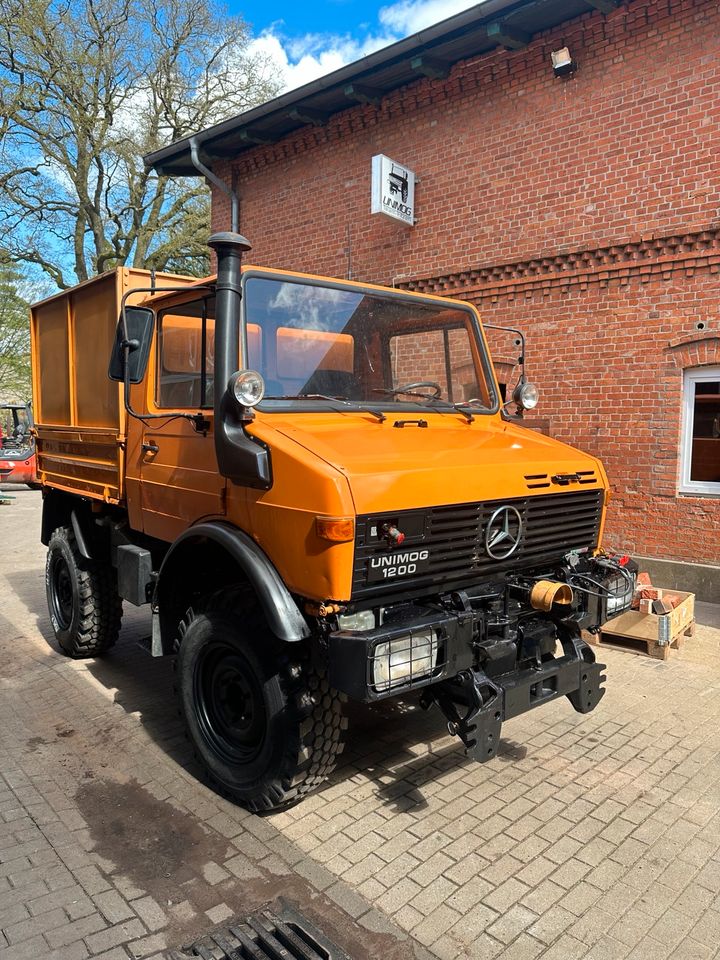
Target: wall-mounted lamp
pixel 563 63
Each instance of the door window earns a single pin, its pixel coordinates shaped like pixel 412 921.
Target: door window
pixel 186 355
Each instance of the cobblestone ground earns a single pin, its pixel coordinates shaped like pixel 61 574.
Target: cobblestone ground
pixel 587 837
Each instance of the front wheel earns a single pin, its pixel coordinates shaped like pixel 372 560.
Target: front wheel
pixel 265 725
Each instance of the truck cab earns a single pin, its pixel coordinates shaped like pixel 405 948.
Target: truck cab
pixel 318 491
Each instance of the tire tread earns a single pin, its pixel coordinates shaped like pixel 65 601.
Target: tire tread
pixel 100 606
pixel 316 707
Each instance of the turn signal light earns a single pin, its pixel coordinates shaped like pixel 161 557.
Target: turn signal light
pixel 335 529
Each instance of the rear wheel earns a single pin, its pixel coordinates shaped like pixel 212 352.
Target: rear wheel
pixel 264 723
pixel 85 609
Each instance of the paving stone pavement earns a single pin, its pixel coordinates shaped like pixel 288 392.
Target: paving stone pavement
pixel 588 838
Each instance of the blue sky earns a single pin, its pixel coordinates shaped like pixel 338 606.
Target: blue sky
pixel 307 40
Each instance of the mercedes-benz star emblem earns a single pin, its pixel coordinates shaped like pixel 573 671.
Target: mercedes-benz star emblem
pixel 504 532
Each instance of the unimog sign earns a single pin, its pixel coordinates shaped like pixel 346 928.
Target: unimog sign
pixel 393 190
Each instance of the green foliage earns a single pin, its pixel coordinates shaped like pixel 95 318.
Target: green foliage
pixel 14 339
pixel 88 87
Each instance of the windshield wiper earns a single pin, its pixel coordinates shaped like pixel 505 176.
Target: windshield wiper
pixel 460 407
pixel 322 396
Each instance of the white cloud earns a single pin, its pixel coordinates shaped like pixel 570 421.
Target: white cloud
pixel 409 16
pixel 298 60
pixel 302 59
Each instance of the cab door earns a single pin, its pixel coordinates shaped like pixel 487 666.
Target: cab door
pixel 178 473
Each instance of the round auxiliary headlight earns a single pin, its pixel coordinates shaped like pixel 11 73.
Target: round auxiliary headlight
pixel 248 387
pixel 527 396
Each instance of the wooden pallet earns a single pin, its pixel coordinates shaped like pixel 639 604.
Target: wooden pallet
pixel 640 645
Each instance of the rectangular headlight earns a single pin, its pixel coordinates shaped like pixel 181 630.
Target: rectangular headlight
pixel 405 659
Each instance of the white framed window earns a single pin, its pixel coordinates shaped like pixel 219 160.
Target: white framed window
pixel 700 441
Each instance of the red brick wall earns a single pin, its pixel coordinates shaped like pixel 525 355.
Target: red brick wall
pixel 609 357
pixel 585 211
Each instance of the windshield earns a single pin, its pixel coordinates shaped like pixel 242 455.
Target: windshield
pixel 314 342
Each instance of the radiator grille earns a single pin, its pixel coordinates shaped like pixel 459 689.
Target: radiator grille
pixel 553 524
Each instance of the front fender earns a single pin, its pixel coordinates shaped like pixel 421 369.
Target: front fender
pixel 197 542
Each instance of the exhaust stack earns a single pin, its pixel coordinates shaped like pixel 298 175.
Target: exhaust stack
pixel 229 248
pixel 240 458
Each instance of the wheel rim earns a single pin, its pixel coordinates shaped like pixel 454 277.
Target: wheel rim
pixel 230 704
pixel 62 593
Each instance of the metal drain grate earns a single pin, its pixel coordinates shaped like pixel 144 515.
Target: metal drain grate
pixel 264 936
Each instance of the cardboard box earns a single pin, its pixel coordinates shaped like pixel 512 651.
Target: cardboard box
pixel 651 626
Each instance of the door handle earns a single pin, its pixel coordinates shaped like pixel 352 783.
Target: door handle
pixel 150 448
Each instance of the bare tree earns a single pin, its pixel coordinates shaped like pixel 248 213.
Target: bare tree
pixel 87 87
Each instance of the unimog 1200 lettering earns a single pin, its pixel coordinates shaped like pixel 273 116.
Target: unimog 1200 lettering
pixel 314 485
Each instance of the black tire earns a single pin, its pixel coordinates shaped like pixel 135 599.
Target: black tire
pixel 85 609
pixel 263 722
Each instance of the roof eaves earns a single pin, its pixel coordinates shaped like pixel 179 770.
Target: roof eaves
pixel 356 71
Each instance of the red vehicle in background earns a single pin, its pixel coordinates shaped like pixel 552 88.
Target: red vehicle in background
pixel 17 444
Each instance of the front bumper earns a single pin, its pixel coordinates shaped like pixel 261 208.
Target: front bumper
pixel 475 703
pixel 476 706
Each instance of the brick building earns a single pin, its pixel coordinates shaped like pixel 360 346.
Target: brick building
pixel 584 209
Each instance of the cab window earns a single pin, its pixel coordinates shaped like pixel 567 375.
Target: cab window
pixel 186 355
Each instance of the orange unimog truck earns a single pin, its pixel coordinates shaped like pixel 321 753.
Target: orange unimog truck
pixel 316 488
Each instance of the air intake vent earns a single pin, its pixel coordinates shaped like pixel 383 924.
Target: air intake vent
pixel 586 476
pixel 535 480
pixel 264 936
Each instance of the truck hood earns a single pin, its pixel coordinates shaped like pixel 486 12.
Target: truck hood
pixel 449 461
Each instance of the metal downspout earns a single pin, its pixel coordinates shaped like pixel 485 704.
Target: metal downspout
pixel 213 178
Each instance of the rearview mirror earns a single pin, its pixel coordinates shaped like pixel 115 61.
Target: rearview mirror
pixel 136 335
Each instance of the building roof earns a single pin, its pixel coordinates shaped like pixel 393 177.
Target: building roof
pixel 508 24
